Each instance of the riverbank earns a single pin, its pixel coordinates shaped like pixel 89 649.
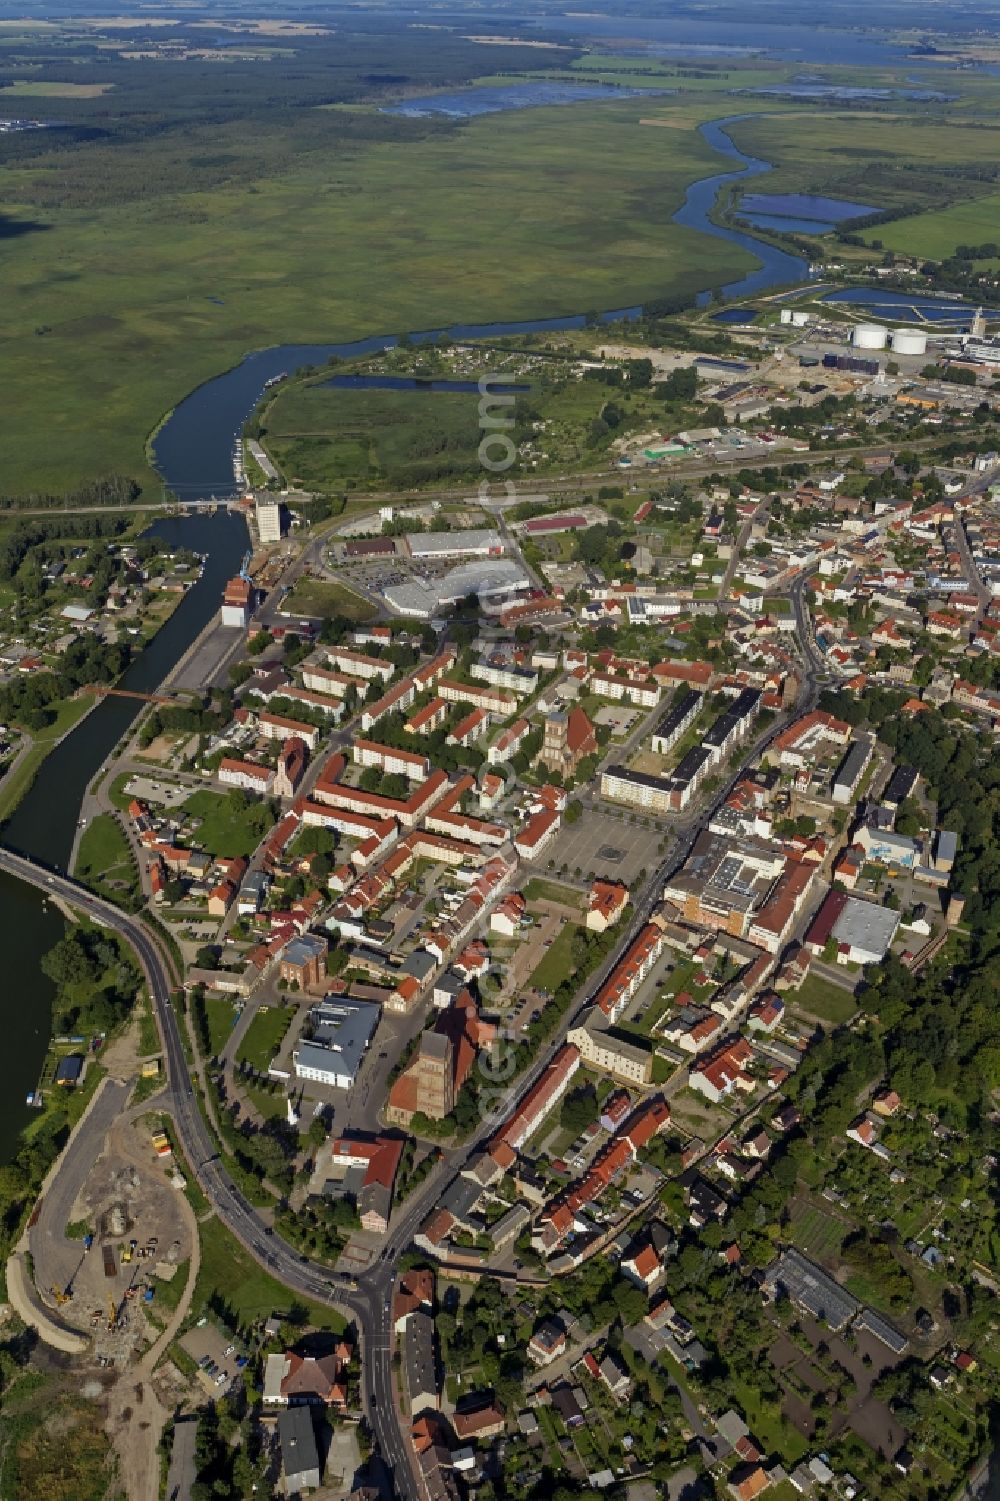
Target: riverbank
pixel 44 822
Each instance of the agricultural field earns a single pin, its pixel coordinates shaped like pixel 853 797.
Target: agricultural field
pixel 816 1232
pixel 937 232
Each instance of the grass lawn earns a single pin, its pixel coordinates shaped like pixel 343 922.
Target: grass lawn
pixel 323 597
pixel 115 313
pixel 936 233
pixel 149 1037
pixel 774 1433
pixel 227 829
pixel 271 1106
pixel 220 1015
pixel 116 792
pixel 550 972
pixel 538 889
pixel 104 859
pixel 263 1036
pixel 826 1000
pixel 232 1274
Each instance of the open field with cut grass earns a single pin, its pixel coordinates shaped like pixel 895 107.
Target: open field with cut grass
pixel 36 88
pixel 936 233
pixel 232 1275
pixel 226 827
pixel 558 962
pixel 116 310
pixel 104 858
pixel 321 598
pixel 263 1036
pixel 539 889
pixel 822 998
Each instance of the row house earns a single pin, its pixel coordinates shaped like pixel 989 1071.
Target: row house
pixel 629 973
pixel 395 762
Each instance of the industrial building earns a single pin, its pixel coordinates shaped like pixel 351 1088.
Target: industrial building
pixel 268 514
pixel 473 542
pixel 811 1289
pixel 493 582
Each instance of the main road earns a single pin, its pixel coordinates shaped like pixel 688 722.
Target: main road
pixel 367 1299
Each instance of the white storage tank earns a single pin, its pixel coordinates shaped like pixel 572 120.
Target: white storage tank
pixel 786 315
pixel 909 341
pixel 800 319
pixel 870 336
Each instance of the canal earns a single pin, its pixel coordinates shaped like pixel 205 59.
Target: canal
pixel 44 823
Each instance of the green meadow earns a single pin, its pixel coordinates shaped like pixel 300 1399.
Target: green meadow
pixel 115 311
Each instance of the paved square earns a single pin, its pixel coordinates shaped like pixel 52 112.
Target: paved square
pixel 607 845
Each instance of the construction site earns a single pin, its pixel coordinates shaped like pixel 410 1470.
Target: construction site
pixel 110 1248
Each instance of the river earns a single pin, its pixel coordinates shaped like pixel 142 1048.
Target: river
pixel 194 447
pixel 194 453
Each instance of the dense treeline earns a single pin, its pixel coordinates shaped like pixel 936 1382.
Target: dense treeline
pixel 28 701
pixel 208 122
pixel 112 490
pixel 32 534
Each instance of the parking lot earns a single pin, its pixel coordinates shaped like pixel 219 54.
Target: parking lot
pixel 610 844
pixel 218 1358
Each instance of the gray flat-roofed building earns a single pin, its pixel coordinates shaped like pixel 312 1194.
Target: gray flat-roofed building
pixel 851 770
pixel 470 542
pixel 945 849
pixel 676 720
pixel 691 766
pixel 881 1328
pixel 810 1288
pixel 901 784
pixel 865 930
pixel 490 579
pixel 341 1033
pixel 299 1454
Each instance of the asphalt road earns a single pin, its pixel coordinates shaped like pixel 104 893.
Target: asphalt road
pixel 54 1257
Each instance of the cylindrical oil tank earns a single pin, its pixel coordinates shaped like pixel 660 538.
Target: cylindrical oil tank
pixel 909 341
pixel 800 319
pixel 786 315
pixel 870 336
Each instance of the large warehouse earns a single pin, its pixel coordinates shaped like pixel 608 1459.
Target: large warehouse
pixel 471 543
pixel 493 582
